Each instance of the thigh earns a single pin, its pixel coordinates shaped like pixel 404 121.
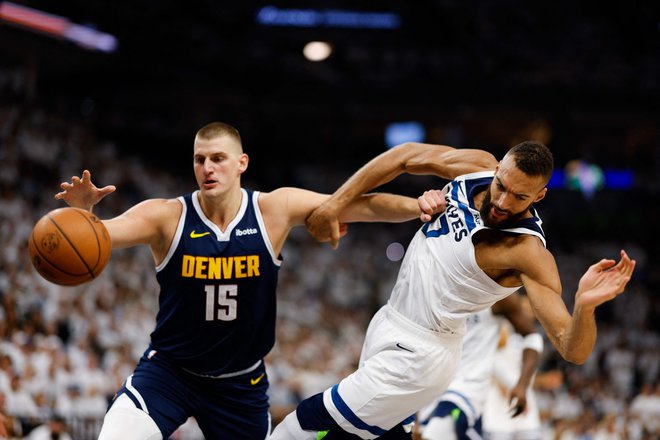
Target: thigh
pixel 234 408
pixel 162 392
pixel 399 375
pixel 124 421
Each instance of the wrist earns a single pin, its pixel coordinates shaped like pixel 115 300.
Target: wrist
pixel 583 310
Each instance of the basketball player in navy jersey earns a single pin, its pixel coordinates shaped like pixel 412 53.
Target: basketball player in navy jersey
pixel 217 255
pixel 486 244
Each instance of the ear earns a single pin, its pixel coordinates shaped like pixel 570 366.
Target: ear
pixel 541 195
pixel 243 163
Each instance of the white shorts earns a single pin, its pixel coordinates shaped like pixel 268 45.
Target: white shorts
pixel 403 367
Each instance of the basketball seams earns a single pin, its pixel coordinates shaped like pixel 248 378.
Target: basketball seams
pixel 45 258
pixel 67 250
pixel 85 263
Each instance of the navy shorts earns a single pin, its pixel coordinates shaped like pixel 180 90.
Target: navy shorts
pixel 227 408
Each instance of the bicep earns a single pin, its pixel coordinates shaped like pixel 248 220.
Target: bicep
pixel 287 207
pixel 142 224
pixel 448 162
pixel 543 286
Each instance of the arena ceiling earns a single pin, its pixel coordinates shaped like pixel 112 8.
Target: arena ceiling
pixel 179 64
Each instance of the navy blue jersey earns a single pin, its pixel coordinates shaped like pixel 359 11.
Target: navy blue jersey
pixel 217 291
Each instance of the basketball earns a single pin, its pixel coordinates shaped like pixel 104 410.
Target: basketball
pixel 69 246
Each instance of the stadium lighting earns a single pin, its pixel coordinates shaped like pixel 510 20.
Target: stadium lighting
pixel 317 50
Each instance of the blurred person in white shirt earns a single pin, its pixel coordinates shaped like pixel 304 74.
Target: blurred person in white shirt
pixel 55 428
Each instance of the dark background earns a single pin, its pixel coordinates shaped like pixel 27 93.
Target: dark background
pixel 582 76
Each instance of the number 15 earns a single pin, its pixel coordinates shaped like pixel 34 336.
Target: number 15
pixel 224 302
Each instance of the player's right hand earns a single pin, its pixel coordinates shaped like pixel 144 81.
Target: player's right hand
pixel 432 202
pixel 82 193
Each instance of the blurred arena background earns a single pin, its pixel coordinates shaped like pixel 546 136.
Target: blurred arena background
pixel 121 88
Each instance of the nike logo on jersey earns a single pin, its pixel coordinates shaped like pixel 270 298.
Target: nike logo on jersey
pixel 194 234
pixel 248 231
pixel 403 348
pixel 256 380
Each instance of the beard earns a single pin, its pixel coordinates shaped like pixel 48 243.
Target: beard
pixel 502 223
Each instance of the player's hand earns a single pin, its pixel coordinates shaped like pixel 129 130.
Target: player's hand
pixel 430 203
pixel 324 226
pixel 517 400
pixel 82 193
pixel 603 281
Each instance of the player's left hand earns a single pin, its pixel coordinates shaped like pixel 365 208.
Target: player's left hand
pixel 603 281
pixel 517 401
pixel 324 225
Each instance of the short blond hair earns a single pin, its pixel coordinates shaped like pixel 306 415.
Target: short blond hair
pixel 218 129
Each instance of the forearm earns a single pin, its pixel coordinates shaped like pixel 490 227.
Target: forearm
pixel 580 337
pixel 530 361
pixel 381 207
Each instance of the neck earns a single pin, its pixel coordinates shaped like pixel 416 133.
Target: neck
pixel 221 210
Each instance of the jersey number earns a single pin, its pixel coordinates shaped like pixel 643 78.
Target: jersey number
pixel 221 302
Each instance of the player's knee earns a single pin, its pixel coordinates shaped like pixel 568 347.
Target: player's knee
pixel 440 428
pixel 124 421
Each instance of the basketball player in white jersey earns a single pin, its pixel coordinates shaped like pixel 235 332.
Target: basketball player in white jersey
pixel 497 421
pixel 456 414
pixel 483 247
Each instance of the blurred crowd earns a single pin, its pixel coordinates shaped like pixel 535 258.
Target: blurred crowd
pixel 64 351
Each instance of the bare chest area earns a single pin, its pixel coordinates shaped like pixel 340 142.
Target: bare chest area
pixel 492 252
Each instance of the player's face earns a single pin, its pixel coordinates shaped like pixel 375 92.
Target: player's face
pixel 510 195
pixel 218 164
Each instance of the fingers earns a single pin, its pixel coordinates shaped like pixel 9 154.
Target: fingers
pixel 430 203
pixel 107 190
pixel 602 265
pixel 335 234
pixel 425 217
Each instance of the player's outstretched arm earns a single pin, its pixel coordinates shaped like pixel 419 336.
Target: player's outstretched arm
pixel 573 336
pixel 411 158
pixel 82 193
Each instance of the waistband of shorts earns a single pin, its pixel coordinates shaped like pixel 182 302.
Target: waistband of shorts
pixel 226 375
pixel 418 330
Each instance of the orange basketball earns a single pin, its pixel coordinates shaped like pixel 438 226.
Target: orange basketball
pixel 69 246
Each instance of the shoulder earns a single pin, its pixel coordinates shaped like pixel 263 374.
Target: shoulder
pixel 531 259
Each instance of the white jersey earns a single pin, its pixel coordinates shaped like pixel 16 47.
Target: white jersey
pixel 440 283
pixel 497 421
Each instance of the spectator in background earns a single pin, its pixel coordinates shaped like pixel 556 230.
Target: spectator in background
pixel 53 429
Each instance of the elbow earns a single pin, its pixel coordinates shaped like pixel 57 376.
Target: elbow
pixel 575 358
pixel 485 160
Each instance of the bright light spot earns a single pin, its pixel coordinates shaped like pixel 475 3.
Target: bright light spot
pixel 394 251
pixel 317 50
